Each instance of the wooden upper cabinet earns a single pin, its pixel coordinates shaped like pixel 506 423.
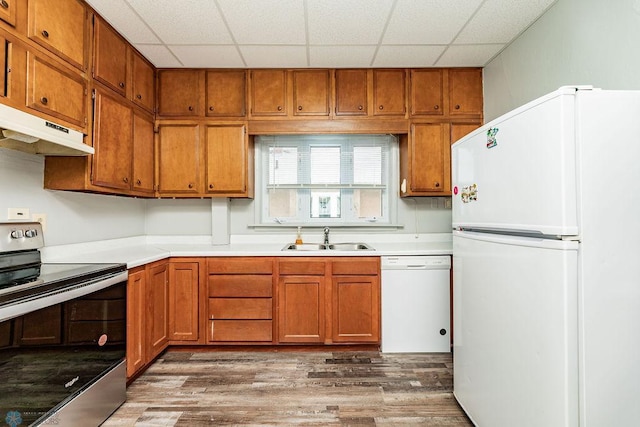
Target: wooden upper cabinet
pixel 268 92
pixel 110 57
pixel 425 160
pixel 56 91
pixel 227 159
pixel 389 92
pixel 143 91
pixel 311 90
pixel 8 11
pixel 351 93
pixel 143 153
pixel 226 91
pixel 465 92
pixel 61 27
pixel 458 130
pixel 112 135
pixel 179 159
pixel 427 92
pixel 180 92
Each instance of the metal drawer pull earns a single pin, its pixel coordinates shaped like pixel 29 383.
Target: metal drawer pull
pixel 44 100
pixel 45 34
pixel 5 4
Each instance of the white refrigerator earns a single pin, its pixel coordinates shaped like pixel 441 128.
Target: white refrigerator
pixel 546 257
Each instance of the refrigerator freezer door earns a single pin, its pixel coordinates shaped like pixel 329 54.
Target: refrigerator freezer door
pixel 518 172
pixel 515 330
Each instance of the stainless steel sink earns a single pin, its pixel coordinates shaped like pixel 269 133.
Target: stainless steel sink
pixel 304 247
pixel 350 247
pixel 330 247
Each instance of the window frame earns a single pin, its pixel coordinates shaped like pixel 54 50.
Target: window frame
pixel 389 183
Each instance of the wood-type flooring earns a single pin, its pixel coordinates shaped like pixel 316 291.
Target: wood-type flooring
pixel 288 387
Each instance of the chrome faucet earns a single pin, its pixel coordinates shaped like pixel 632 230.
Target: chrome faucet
pixel 326 235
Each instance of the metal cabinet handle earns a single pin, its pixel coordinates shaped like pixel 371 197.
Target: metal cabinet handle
pixel 436 107
pixel 381 107
pixel 5 4
pixel 457 107
pixel 138 182
pixel 45 34
pixel 190 108
pixel 44 100
pixel 211 108
pixel 360 107
pixel 299 107
pixel 279 107
pixel 190 185
pixel 210 185
pixel 138 96
pixel 121 84
pixel 437 184
pixel 125 180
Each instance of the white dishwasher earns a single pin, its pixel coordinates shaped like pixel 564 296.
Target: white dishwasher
pixel 415 304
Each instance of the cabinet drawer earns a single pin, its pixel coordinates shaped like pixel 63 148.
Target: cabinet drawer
pixel 240 285
pixel 357 266
pixel 302 267
pixel 240 308
pixel 240 265
pixel 240 330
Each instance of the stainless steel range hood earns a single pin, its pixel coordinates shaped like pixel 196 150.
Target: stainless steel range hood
pixel 32 134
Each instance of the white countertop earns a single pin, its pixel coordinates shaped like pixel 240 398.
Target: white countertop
pixel 140 250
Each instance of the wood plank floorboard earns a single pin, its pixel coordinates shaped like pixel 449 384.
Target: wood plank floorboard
pixel 285 388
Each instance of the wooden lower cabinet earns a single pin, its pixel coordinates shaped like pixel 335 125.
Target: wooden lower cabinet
pixel 136 316
pixel 329 300
pixel 157 325
pixel 184 276
pixel 239 295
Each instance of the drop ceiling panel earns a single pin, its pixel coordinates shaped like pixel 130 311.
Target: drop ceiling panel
pixel 341 56
pixel 120 15
pixel 495 23
pixel 342 22
pixel 159 55
pixel 265 21
pixel 275 56
pixel 428 21
pixel 408 56
pixel 468 55
pixel 184 22
pixel 209 56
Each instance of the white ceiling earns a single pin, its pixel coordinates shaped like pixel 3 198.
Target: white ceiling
pixel 320 33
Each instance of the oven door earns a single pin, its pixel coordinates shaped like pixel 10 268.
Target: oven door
pixel 62 355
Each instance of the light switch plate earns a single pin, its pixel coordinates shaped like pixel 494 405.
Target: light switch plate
pixel 18 213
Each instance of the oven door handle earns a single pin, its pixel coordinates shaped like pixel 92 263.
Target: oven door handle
pixel 66 294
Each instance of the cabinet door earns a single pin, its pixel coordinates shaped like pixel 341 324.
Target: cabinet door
pixel 268 92
pixel 8 11
pixel 301 309
pixel 183 301
pixel 311 92
pixel 112 133
pixel 179 155
pixel 157 309
pixel 226 93
pixel 61 27
pixel 4 64
pixel 389 92
pixel 426 92
pixel 351 93
pixel 56 91
pixel 110 57
pixel 179 92
pixel 227 159
pixel 465 92
pixel 356 309
pixel 136 302
pixel 142 82
pixel 143 153
pixel 427 160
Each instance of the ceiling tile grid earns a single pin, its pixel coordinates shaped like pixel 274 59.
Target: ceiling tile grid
pixel 320 33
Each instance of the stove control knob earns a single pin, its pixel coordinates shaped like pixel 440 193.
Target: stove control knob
pixel 17 234
pixel 30 233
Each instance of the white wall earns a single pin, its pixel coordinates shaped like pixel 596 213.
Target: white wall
pixel 593 42
pixel 71 217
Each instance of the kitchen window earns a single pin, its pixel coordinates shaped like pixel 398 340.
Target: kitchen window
pixel 324 179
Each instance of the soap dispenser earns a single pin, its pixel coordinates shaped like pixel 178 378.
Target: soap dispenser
pixel 299 236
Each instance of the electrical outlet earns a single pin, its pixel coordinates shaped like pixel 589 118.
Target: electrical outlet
pixel 447 203
pixel 18 213
pixel 42 219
